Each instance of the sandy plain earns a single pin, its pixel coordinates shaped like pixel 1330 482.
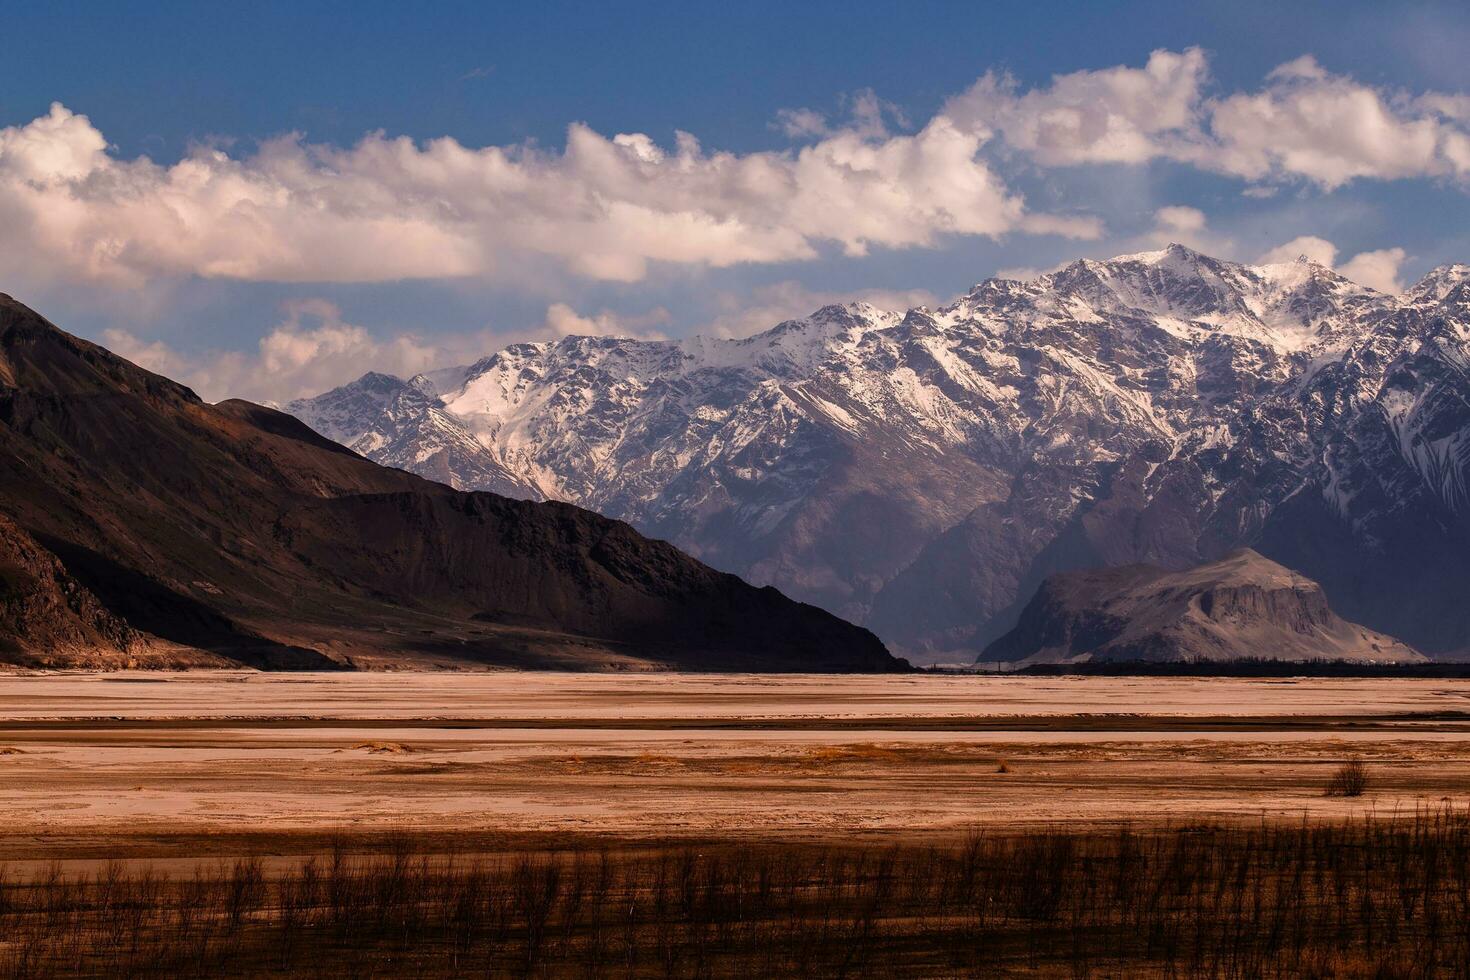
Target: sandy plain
pixel 186 764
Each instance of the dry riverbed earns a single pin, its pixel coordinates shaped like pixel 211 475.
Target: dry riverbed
pixel 136 761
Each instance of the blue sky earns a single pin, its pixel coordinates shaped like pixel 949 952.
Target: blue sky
pixel 252 197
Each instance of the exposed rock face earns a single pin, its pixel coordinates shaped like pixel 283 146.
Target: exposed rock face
pixel 923 472
pixel 236 533
pixel 1241 607
pixel 47 617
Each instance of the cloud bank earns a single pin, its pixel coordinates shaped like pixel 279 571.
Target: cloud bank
pixel 607 208
pixel 312 348
pixel 1303 123
pixel 389 208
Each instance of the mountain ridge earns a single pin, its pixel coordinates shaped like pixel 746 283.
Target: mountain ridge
pixel 184 534
pixel 922 471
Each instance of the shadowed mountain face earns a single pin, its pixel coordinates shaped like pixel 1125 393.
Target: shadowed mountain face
pixel 47 617
pixel 923 472
pixel 140 525
pixel 1243 606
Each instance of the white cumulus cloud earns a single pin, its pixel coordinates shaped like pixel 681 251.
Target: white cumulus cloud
pixel 1112 115
pixel 1177 223
pixel 1302 123
pixel 313 349
pixel 1318 250
pixel 1378 269
pixel 608 207
pixel 562 320
pixel 1330 129
pixel 309 351
pixel 392 208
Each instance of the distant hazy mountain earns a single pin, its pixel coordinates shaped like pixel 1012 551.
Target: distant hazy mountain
pixel 922 472
pixel 1242 606
pixel 140 525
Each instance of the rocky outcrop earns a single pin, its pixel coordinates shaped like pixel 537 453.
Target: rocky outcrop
pixel 1239 608
pixel 47 617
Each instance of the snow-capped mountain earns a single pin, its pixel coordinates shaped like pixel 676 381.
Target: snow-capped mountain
pixel 922 471
pixel 403 424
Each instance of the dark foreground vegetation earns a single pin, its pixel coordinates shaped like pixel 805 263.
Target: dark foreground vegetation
pixel 1385 898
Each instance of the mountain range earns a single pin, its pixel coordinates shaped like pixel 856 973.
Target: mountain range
pixel 140 526
pixel 922 472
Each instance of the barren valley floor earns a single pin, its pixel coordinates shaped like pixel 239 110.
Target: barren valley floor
pixel 176 765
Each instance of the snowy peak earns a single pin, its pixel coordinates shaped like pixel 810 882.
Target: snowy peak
pixel 1439 284
pixel 793 348
pixel 405 424
pixel 1282 305
pixel 917 470
pixel 349 413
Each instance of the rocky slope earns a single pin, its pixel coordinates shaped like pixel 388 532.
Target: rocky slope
pixel 1242 606
pixel 923 471
pixel 138 521
pixel 47 617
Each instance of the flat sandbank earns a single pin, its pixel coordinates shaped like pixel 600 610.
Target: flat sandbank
pixel 88 759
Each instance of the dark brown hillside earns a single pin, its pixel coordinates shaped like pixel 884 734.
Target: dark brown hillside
pixel 47 616
pixel 233 531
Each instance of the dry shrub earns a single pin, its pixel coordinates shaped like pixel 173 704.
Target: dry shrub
pixel 1350 779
